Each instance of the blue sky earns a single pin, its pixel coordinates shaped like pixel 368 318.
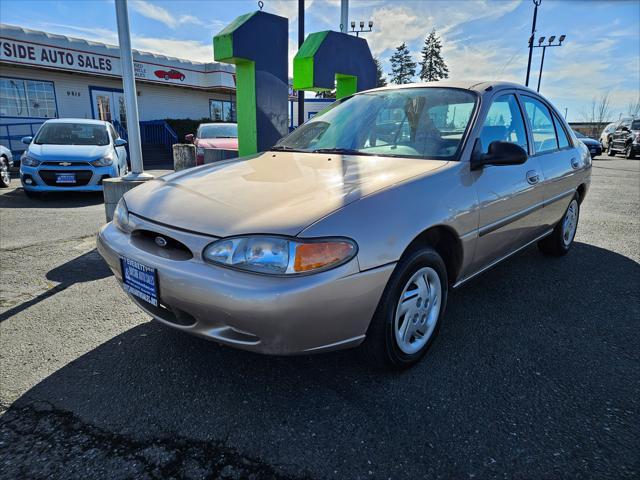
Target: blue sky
pixel 482 39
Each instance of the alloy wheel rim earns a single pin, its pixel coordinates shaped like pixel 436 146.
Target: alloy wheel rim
pixel 417 310
pixel 570 223
pixel 4 172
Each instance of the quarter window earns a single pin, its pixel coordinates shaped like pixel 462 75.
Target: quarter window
pixel 504 123
pixel 563 140
pixel 542 129
pixel 27 98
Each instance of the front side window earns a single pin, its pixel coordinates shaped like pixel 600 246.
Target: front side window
pixel 72 134
pixel 504 123
pixel 27 98
pixel 411 122
pixel 542 128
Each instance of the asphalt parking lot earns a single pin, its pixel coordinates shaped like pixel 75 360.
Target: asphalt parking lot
pixel 536 373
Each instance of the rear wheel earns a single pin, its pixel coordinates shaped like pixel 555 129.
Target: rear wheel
pixel 409 314
pixel 5 176
pixel 560 241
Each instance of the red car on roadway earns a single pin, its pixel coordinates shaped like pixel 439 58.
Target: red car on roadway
pixel 170 74
pixel 215 136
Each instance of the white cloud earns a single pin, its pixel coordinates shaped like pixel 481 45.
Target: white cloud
pixel 160 14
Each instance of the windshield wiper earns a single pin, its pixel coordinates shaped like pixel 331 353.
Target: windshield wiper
pixel 340 151
pixel 284 148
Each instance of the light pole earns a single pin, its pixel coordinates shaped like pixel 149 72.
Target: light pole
pixel 362 30
pixel 300 42
pixel 533 34
pixel 544 49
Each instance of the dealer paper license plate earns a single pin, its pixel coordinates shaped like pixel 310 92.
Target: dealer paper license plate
pixel 140 280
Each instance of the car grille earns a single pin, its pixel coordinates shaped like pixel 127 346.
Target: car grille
pixel 83 177
pixel 64 163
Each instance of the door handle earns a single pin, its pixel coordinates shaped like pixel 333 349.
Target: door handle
pixel 533 177
pixel 575 163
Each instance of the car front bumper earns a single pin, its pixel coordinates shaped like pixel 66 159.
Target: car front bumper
pixel 41 177
pixel 266 314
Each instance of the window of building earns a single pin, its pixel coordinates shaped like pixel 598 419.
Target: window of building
pixel 27 98
pixel 222 110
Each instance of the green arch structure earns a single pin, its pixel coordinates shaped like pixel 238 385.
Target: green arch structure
pixel 328 58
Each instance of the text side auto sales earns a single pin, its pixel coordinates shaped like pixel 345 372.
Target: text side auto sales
pixel 54 56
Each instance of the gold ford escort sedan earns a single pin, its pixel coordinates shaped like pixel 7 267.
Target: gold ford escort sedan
pixel 353 228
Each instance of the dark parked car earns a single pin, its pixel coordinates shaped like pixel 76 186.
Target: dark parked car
pixel 592 144
pixel 626 138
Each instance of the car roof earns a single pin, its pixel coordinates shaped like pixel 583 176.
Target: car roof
pixel 474 85
pixel 89 121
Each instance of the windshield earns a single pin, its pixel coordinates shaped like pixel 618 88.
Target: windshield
pixel 411 122
pixel 635 125
pixel 72 134
pixel 226 130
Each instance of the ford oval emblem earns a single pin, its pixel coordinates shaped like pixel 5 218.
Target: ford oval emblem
pixel 160 241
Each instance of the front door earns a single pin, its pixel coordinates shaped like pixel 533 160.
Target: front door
pixel 509 196
pixel 108 105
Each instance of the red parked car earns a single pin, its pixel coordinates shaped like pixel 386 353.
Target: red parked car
pixel 215 136
pixel 170 74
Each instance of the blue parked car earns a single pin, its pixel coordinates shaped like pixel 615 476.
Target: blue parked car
pixel 72 155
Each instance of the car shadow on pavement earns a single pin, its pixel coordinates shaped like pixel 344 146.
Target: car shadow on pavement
pixel 533 372
pixel 18 199
pixel 85 268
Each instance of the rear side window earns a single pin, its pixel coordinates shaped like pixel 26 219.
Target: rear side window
pixel 542 128
pixel 563 141
pixel 504 123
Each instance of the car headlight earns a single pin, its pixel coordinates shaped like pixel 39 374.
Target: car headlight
pixel 103 162
pixel 29 161
pixel 121 217
pixel 280 255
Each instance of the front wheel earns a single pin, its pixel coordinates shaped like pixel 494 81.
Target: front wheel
pixel 560 241
pixel 5 176
pixel 628 152
pixel 610 151
pixel 409 314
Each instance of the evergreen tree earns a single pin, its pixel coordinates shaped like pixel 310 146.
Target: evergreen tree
pixel 432 66
pixel 403 68
pixel 381 81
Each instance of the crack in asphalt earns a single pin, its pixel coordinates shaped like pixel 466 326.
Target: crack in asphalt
pixel 50 443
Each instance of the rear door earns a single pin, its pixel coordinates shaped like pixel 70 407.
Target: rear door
pixel 508 195
pixel 559 159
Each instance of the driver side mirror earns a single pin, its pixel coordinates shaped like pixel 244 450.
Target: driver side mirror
pixel 26 140
pixel 500 153
pixel 189 138
pixel 120 142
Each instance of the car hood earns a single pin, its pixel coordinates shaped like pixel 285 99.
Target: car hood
pixel 221 143
pixel 69 153
pixel 276 193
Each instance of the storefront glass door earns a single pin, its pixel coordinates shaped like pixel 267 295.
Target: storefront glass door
pixel 109 106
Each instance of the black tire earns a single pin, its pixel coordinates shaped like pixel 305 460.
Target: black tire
pixel 381 347
pixel 5 175
pixel 610 151
pixel 33 195
pixel 555 245
pixel 628 152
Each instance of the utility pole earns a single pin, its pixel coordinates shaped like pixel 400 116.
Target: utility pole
pixel 533 34
pixel 130 96
pixel 300 42
pixel 344 16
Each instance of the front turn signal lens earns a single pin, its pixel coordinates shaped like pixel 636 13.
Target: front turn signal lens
pixel 312 256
